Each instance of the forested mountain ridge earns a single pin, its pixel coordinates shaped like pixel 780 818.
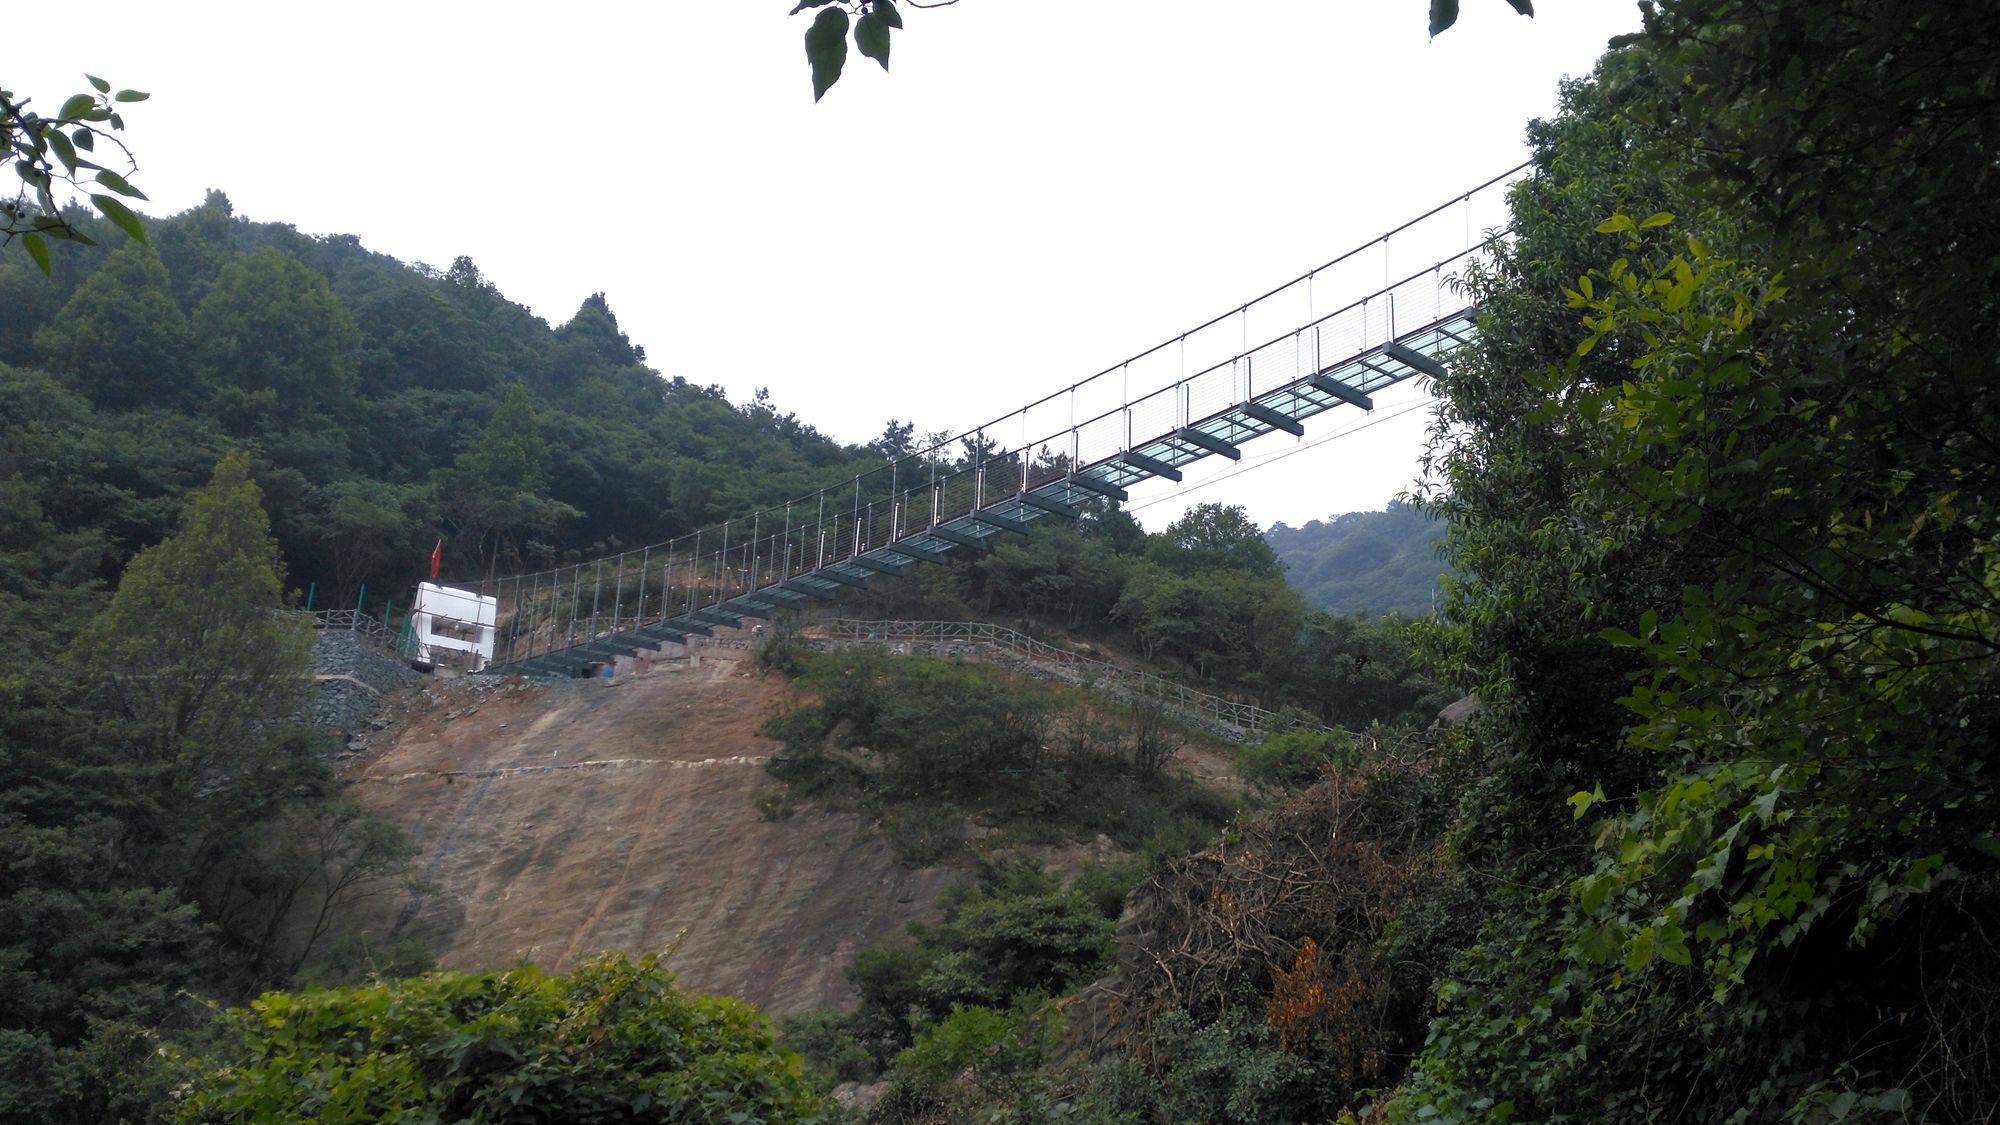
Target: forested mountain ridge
pixel 370 393
pixel 1368 563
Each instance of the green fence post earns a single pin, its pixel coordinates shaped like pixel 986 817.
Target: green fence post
pixel 310 587
pixel 358 599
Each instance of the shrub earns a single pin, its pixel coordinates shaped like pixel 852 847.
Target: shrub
pixel 1230 1070
pixel 1283 922
pixel 977 1060
pixel 1019 932
pixel 787 656
pixel 615 1041
pixel 828 1042
pixel 924 834
pixel 1295 759
pixel 776 804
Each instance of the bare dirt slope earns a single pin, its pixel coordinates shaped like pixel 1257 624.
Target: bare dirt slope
pixel 557 821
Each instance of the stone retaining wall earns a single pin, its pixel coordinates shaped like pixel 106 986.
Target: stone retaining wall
pixel 353 673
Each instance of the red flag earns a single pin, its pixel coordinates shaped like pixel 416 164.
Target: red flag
pixel 437 555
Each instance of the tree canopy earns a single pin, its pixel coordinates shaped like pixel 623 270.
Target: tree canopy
pixel 1720 497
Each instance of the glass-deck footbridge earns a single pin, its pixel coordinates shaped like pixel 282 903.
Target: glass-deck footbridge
pixel 1269 366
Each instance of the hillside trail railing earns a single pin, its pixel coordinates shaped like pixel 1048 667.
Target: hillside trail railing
pixel 1306 347
pixel 1221 714
pixel 368 628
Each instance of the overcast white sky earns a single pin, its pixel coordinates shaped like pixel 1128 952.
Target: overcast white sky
pixel 1034 192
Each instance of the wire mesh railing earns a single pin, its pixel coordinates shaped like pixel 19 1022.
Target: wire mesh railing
pixel 1405 278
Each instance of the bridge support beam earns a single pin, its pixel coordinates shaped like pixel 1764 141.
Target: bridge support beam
pixel 1274 419
pixel 1411 357
pixel 844 579
pixel 922 554
pixel 1151 465
pixel 1100 487
pixel 992 518
pixel 1052 507
pixel 878 566
pixel 962 539
pixel 1210 442
pixel 1343 392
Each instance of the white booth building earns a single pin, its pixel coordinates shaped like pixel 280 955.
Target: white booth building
pixel 445 621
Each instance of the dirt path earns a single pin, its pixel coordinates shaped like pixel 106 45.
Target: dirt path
pixel 557 821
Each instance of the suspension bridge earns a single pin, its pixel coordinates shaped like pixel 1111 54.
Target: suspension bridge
pixel 1330 339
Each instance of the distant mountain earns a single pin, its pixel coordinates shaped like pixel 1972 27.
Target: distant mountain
pixel 1368 563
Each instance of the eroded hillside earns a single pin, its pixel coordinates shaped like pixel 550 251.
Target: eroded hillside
pixel 559 820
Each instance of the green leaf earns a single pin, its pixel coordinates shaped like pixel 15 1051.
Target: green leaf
pixel 1639 951
pixel 1671 944
pixel 117 183
pixel 120 215
pixel 1594 891
pixel 1525 7
pixel 886 11
pixel 103 87
pixel 826 49
pixel 804 4
pixel 132 96
pixel 77 106
pixel 871 37
pixel 1657 219
pixel 38 249
pixel 1616 223
pixel 83 139
pixel 1444 13
pixel 1600 944
pixel 65 151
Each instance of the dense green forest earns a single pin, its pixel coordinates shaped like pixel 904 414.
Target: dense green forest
pixel 1205 597
pixel 193 430
pixel 1368 563
pixel 202 426
pixel 359 383
pixel 1717 480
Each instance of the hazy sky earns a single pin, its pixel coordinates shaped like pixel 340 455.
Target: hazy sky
pixel 1034 192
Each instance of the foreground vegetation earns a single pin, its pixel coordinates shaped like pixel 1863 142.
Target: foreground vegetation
pixel 1719 489
pixel 1719 485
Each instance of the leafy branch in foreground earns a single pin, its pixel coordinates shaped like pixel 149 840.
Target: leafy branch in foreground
pixel 47 150
pixel 871 21
pixel 826 39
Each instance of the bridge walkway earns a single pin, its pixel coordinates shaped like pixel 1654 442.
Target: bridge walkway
pixel 1098 440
